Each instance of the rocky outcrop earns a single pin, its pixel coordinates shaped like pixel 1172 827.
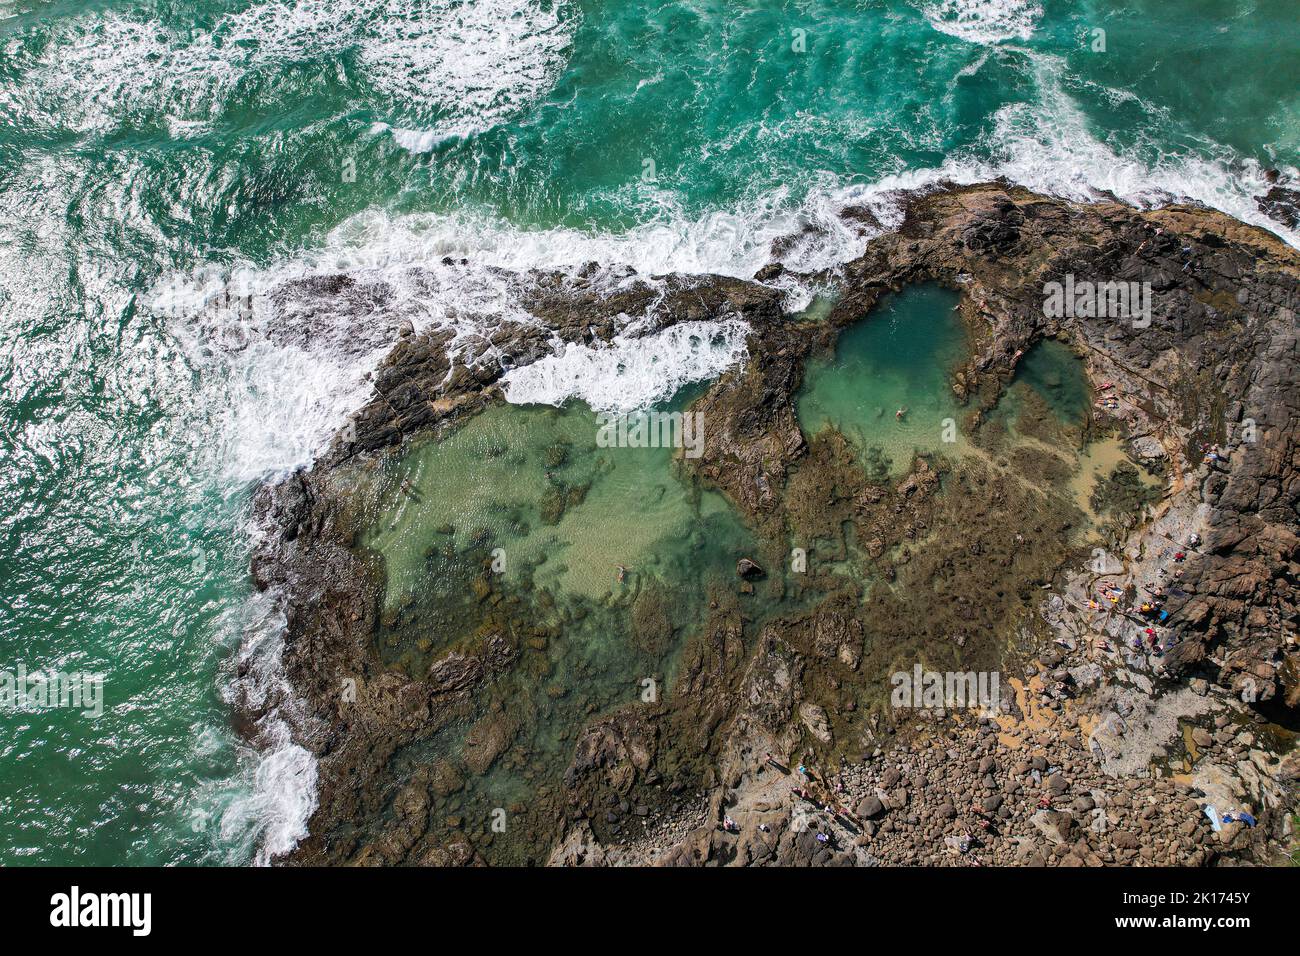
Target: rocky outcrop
pixel 1208 390
pixel 1214 368
pixel 429 380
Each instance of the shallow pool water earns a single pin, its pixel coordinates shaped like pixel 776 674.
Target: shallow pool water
pixel 900 357
pixel 533 486
pixel 1051 370
pixel 599 562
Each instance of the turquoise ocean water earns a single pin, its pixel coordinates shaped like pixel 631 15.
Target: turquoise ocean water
pixel 157 158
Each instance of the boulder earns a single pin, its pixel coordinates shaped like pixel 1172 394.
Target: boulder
pixel 870 807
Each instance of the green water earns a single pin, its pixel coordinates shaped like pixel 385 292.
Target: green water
pixel 1044 415
pixel 526 498
pixel 900 357
pixel 1050 379
pixel 535 482
pixel 141 140
pixel 1057 375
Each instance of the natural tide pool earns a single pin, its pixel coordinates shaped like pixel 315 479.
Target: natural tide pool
pixel 529 490
pixel 532 482
pixel 1046 414
pixel 1049 378
pixel 598 563
pixel 902 355
pixel 899 357
pixel 1052 370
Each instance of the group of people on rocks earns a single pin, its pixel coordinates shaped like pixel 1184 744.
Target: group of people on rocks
pixel 1108 399
pixel 1150 609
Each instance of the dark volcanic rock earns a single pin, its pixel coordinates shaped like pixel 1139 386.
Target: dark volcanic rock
pixel 1282 205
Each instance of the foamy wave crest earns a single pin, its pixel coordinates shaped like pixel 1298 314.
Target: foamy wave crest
pixel 807 237
pixel 283 353
pixel 272 815
pixel 269 813
pixel 1050 146
pixel 984 21
pixel 102 68
pixel 271 403
pixel 470 64
pixel 630 374
pixel 281 399
pixel 461 67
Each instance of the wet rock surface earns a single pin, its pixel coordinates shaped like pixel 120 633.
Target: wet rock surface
pixel 776 741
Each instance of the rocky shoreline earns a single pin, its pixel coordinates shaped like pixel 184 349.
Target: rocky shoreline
pixel 1100 751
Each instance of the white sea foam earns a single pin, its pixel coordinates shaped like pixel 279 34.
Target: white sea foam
pixel 269 405
pixel 281 401
pixel 271 815
pixel 469 63
pixel 296 395
pixel 268 815
pixel 413 140
pixel 984 21
pixel 285 788
pixel 1050 146
pixel 630 374
pixel 461 67
pixel 725 242
pixel 276 400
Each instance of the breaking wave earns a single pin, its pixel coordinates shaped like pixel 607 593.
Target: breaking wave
pixel 630 374
pixel 268 815
pixel 283 399
pixel 984 21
